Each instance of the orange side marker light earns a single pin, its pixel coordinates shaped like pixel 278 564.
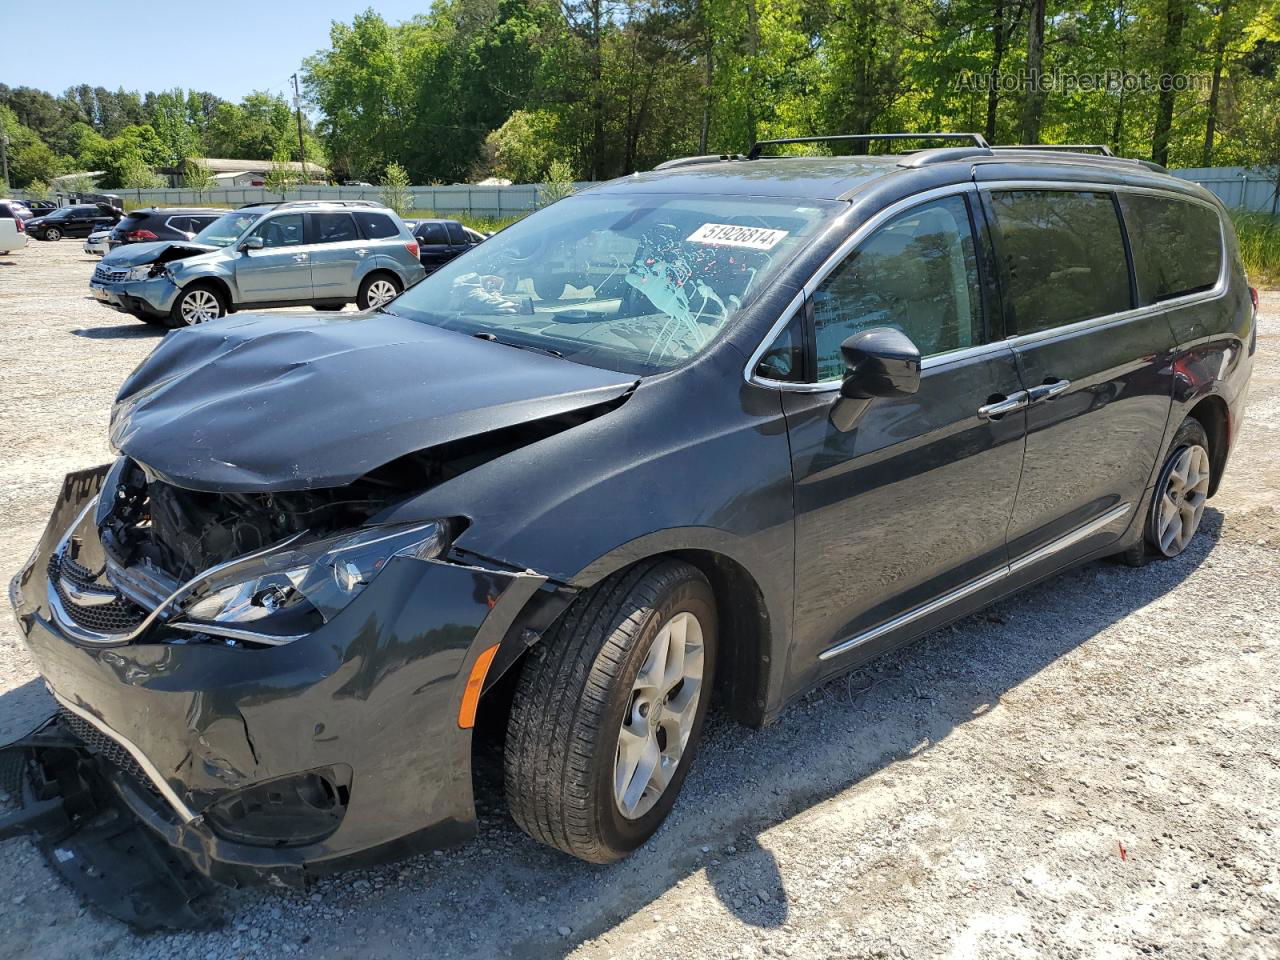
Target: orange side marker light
pixel 475 682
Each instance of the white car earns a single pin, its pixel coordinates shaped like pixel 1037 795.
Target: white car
pixel 96 242
pixel 13 236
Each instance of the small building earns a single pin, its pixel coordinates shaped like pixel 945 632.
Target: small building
pixel 244 173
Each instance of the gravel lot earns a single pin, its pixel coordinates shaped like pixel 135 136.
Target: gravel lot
pixel 1091 769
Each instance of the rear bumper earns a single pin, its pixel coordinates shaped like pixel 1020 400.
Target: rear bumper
pixel 374 692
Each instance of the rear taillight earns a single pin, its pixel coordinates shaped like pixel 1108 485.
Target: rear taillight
pixel 1253 295
pixel 22 227
pixel 412 247
pixel 137 236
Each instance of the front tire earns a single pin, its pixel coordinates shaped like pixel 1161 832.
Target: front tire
pixel 377 289
pixel 608 711
pixel 198 303
pixel 53 234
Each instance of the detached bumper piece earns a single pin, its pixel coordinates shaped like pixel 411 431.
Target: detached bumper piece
pixel 64 792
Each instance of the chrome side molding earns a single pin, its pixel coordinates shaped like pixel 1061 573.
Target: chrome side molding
pixel 973 586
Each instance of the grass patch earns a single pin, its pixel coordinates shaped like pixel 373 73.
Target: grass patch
pixel 1259 236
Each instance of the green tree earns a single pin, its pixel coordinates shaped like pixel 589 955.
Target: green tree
pixel 281 176
pixel 197 176
pixel 523 149
pixel 395 189
pixel 559 183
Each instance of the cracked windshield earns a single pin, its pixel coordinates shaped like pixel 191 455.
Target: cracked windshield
pixel 639 284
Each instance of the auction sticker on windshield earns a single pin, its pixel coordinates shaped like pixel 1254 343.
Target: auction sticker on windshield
pixel 733 235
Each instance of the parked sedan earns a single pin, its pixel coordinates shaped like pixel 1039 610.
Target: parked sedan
pixel 75 221
pixel 98 242
pixel 439 241
pixel 39 208
pixel 13 234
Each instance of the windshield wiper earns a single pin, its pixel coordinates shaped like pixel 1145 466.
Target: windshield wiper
pixel 493 338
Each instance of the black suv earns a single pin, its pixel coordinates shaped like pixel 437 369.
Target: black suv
pixel 439 241
pixel 161 223
pixel 78 220
pixel 790 413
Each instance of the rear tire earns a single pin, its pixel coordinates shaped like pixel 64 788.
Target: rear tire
pixel 608 711
pixel 196 304
pixel 1177 501
pixel 377 289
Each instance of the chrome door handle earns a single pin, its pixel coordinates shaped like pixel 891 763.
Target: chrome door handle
pixel 998 408
pixel 1047 391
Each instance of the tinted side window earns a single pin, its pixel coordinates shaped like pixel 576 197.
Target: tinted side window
pixel 377 226
pixel 333 227
pixel 1177 245
pixel 282 231
pixel 1064 257
pixel 180 223
pixel 432 233
pixel 784 360
pixel 455 233
pixel 199 223
pixel 917 273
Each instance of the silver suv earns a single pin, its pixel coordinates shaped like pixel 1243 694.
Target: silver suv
pixel 323 253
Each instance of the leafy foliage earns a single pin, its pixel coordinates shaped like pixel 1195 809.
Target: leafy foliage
pixel 395 189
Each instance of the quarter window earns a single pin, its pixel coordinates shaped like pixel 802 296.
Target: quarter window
pixel 1064 257
pixel 376 226
pixel 918 273
pixel 1177 245
pixel 784 360
pixel 282 231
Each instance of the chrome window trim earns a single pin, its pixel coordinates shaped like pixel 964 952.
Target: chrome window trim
pixel 149 768
pixel 973 586
pixel 1217 291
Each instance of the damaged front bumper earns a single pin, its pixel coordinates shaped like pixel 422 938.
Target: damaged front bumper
pixel 338 749
pixel 154 295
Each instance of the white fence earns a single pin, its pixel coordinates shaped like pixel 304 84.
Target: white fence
pixel 1236 187
pixel 464 199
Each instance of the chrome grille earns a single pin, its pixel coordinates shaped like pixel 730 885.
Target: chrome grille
pixel 118 616
pixel 105 275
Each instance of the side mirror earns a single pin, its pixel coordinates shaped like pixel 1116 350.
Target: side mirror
pixel 880 362
pixel 253 243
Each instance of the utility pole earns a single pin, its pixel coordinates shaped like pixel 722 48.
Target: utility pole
pixel 4 158
pixel 297 108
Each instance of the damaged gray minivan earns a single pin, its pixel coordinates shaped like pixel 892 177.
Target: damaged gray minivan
pixel 722 429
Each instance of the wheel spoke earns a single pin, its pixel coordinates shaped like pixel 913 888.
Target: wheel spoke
pixel 650 757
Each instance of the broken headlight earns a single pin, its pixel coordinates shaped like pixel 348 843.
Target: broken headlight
pixel 145 271
pixel 283 594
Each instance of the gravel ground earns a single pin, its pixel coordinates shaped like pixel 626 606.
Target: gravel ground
pixel 1090 769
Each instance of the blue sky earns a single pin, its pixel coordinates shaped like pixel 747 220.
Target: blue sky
pixel 228 47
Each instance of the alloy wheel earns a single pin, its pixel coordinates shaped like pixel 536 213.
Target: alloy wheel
pixel 1181 503
pixel 53 233
pixel 659 717
pixel 200 306
pixel 380 292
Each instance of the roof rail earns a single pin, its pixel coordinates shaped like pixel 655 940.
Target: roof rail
pixel 976 139
pixel 702 158
pixel 1101 148
pixel 311 203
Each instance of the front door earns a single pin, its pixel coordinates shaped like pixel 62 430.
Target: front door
pixel 909 507
pixel 281 270
pixel 1099 390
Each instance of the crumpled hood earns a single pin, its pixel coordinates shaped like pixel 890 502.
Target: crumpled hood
pixel 136 254
pixel 268 402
